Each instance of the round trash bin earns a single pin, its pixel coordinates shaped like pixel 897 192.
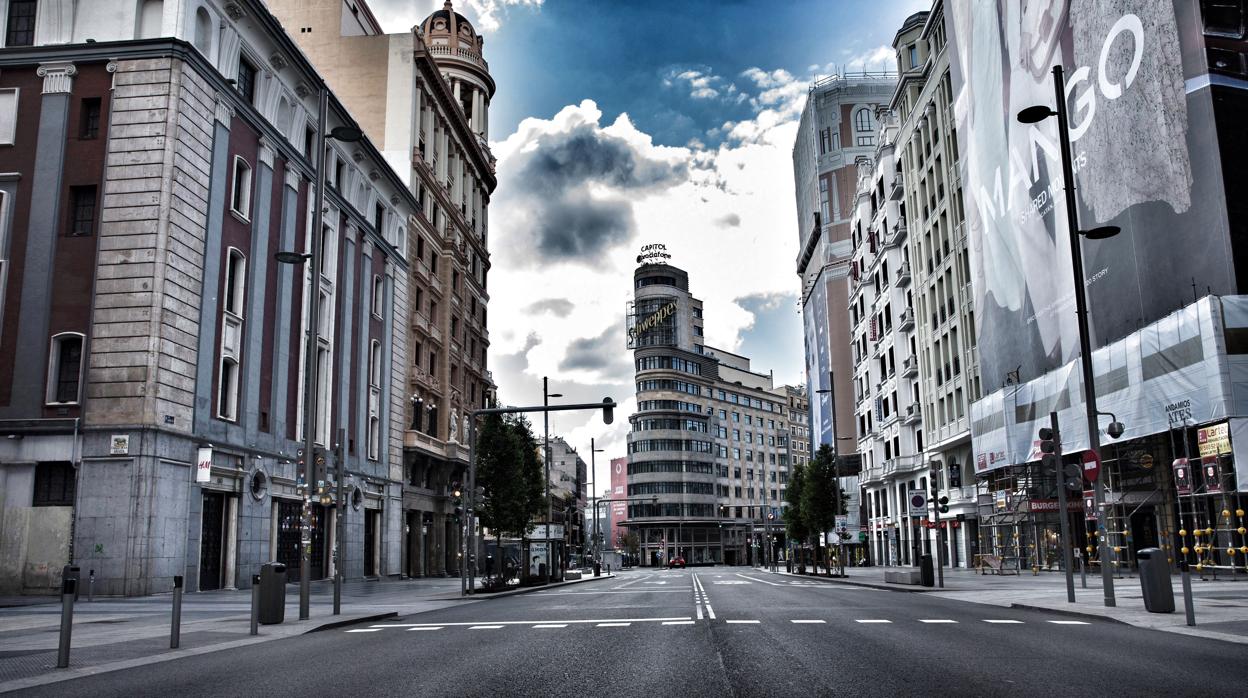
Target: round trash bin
pixel 272 593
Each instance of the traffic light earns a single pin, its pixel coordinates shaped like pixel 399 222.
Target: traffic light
pixel 319 468
pixel 457 501
pixel 608 410
pixel 942 505
pixel 1072 476
pixel 478 496
pixel 1050 448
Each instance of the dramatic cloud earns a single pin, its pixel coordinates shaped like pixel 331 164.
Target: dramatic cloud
pixel 599 353
pixel 486 15
pixel 559 307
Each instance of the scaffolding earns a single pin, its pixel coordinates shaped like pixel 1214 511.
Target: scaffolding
pixel 1213 531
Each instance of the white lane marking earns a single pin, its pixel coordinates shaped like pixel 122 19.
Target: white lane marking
pixel 427 627
pixel 551 625
pixel 634 581
pixel 620 591
pixel 730 581
pixel 1068 622
pixel 485 627
pixel 808 621
pixel 677 622
pixel 937 620
pixel 742 622
pixel 364 630
pixel 760 581
pixel 1012 622
pixel 533 622
pixel 872 620
pixel 697 607
pixel 613 625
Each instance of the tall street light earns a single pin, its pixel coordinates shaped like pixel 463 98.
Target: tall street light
pixel 1031 115
pixel 313 258
pixel 546 396
pixel 593 494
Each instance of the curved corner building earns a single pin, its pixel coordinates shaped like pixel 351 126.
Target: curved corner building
pixel 708 448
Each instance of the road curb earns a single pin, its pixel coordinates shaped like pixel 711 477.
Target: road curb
pixel 1075 614
pixel 905 589
pixel 529 590
pixel 352 621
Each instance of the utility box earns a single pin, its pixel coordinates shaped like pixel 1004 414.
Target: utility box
pixel 1155 580
pixel 272 593
pixel 75 573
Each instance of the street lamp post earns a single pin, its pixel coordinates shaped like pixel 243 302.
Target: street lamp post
pixel 593 495
pixel 546 396
pixel 313 259
pixel 1032 115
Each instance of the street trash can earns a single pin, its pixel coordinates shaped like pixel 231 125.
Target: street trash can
pixel 597 569
pixel 1155 580
pixel 927 571
pixel 75 573
pixel 788 565
pixel 272 593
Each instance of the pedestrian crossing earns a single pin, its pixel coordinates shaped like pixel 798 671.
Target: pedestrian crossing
pixel 676 622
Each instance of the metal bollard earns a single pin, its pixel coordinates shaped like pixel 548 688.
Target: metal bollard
pixel 68 588
pixel 255 604
pixel 91 586
pixel 1188 606
pixel 175 629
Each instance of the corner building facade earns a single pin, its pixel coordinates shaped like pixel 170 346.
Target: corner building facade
pixel 708 452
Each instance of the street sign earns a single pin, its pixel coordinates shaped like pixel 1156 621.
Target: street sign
pixel 1091 466
pixel 1089 505
pixel 918 503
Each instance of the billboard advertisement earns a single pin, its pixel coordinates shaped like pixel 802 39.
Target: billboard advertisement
pixel 618 507
pixel 1145 150
pixel 818 362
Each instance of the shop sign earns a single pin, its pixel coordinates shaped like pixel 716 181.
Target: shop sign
pixel 1214 440
pixel 1182 477
pixel 1212 472
pixel 653 254
pixel 651 322
pixel 1042 506
pixel 203 465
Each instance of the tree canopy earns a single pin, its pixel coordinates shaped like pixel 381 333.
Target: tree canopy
pixel 510 472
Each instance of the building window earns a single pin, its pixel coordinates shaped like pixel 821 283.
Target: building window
pixel 21 26
pixel 862 119
pixel 374 400
pixel 82 210
pixel 8 115
pixel 379 291
pixel 65 368
pixel 89 118
pixel 234 294
pixel 54 484
pixel 246 81
pixel 913 52
pixel 240 196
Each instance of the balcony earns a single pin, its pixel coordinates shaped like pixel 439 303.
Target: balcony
pixel 895 235
pixel 903 275
pixel 910 367
pixel 873 475
pixel 902 465
pixel 906 320
pixel 912 415
pixel 422 378
pixel 898 191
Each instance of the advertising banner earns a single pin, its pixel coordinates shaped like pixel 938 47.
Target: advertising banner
pixel 1157 178
pixel 1214 440
pixel 1182 477
pixel 818 363
pixel 619 488
pixel 203 465
pixel 1212 473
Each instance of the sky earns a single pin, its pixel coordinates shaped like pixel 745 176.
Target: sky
pixel 618 124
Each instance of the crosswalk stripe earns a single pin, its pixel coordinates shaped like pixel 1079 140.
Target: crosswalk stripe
pixel 427 627
pixel 677 622
pixel 749 622
pixel 613 625
pixel 808 621
pixel 551 625
pixel 872 620
pixel 1069 622
pixel 485 627
pixel 937 620
pixel 1012 622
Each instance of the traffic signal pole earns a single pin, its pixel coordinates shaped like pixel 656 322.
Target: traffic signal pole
pixel 1061 505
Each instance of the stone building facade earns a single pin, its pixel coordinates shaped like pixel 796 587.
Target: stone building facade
pixel 151 351
pixel 423 96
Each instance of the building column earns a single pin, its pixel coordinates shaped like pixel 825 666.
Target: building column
pixel 257 281
pixel 437 542
pixel 285 285
pixel 31 356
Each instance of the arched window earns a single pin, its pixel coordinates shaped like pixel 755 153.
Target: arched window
pixel 862 119
pixel 65 368
pixel 203 32
pixel 150 12
pixel 285 115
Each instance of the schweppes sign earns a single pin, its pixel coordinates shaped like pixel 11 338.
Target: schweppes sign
pixel 651 322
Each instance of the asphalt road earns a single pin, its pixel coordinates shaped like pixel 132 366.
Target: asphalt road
pixel 705 632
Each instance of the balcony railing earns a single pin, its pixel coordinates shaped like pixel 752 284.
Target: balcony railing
pixel 906 320
pixel 910 367
pixel 903 275
pixel 913 414
pixel 898 190
pixel 895 235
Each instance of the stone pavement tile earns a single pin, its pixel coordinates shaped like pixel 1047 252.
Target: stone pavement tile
pixel 19 665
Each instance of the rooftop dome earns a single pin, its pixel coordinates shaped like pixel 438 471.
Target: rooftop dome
pixel 449 24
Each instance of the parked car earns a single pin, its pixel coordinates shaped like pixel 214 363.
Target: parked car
pixel 676 562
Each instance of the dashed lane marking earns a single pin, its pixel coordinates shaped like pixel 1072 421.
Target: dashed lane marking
pixel 937 620
pixel 1069 622
pixel 485 627
pixel 427 627
pixel 808 621
pixel 742 622
pixel 551 625
pixel 613 625
pixel 1004 622
pixel 872 620
pixel 677 622
pixel 760 581
pixel 501 623
pixel 364 630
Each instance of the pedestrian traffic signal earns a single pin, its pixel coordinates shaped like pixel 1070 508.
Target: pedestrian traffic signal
pixel 942 505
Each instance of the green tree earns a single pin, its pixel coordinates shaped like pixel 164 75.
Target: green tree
pixel 822 499
pixel 511 475
pixel 794 522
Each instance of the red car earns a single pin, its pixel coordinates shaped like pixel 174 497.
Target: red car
pixel 676 562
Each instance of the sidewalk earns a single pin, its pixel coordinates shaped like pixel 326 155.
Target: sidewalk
pixel 110 634
pixel 1221 606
